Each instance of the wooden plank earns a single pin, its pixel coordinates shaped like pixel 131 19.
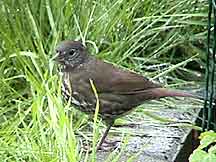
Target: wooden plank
pixel 155 141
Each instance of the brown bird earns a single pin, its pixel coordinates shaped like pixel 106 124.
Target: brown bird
pixel 119 90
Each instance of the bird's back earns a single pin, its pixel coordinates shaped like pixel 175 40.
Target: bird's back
pixel 119 90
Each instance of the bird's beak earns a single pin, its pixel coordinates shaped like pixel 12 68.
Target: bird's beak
pixel 55 57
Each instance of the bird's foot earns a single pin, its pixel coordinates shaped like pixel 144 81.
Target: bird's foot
pixel 110 142
pixel 106 146
pixel 109 145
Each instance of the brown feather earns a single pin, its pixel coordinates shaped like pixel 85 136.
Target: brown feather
pixel 113 80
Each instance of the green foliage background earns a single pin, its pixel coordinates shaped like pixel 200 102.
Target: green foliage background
pixel 164 40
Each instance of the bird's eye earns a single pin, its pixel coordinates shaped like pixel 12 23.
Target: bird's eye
pixel 72 52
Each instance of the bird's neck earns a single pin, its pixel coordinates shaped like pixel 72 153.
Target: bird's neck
pixel 77 63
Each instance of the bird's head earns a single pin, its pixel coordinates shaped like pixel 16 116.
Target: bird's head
pixel 70 53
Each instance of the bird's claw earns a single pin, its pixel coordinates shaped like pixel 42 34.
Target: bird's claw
pixel 106 146
pixel 109 145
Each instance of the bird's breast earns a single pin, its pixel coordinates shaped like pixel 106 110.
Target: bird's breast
pixel 74 92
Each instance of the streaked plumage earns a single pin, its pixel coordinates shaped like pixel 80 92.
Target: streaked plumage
pixel 119 90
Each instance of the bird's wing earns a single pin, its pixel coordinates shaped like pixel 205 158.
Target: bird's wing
pixel 110 79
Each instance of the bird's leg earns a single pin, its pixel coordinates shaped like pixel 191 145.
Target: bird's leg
pixel 104 136
pixel 108 144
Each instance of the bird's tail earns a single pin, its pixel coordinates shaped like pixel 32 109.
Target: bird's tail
pixel 163 92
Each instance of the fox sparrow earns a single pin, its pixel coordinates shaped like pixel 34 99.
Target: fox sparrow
pixel 119 90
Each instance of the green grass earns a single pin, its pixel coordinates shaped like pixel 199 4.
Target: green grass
pixel 164 40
